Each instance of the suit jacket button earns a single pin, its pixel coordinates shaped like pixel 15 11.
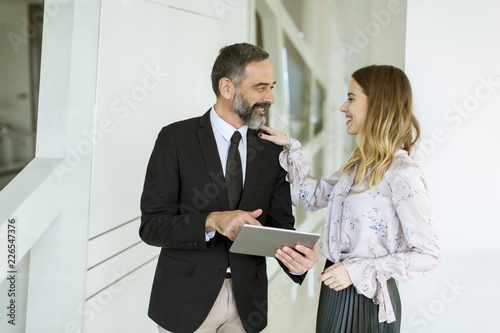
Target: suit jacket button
pixel 222 272
pixel 195 243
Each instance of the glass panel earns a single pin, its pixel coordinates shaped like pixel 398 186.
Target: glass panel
pixel 317 112
pixel 295 10
pixel 297 94
pixel 35 12
pixel 300 214
pixel 259 40
pixel 20 54
pixel 318 164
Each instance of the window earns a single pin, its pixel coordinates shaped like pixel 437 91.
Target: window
pixel 20 54
pixel 297 87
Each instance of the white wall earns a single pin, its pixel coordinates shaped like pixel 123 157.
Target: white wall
pixel 452 60
pixel 155 62
pixel 385 29
pixel 372 32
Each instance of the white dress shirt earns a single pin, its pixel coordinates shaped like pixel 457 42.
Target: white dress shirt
pixel 223 133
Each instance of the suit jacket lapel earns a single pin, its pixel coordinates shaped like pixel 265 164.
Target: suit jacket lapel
pixel 212 160
pixel 254 147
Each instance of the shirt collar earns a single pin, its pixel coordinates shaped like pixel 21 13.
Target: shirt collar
pixel 224 128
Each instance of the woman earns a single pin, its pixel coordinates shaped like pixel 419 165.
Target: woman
pixel 378 225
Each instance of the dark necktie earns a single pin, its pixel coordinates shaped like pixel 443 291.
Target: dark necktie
pixel 234 177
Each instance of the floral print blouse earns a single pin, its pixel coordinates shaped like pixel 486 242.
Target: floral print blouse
pixel 378 233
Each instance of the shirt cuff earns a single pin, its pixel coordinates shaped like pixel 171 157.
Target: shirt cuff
pixel 209 235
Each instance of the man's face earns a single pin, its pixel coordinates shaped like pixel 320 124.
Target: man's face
pixel 254 96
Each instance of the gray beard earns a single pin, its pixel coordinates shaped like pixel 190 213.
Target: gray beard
pixel 246 113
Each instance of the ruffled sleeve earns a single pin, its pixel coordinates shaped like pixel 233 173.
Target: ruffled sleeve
pixel 411 203
pixel 313 194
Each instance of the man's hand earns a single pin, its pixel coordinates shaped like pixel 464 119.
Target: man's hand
pixel 336 277
pixel 229 223
pixel 298 260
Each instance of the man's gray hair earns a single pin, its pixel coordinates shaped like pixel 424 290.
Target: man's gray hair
pixel 232 62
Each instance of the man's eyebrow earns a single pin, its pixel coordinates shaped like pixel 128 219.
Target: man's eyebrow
pixel 263 84
pixel 351 94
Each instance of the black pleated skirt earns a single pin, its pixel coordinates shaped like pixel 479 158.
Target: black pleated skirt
pixel 346 311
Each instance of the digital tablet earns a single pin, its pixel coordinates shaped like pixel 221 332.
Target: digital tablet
pixel 263 241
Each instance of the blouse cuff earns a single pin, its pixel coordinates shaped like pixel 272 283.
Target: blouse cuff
pixel 383 299
pixel 287 160
pixel 293 144
pixel 287 155
pixel 369 280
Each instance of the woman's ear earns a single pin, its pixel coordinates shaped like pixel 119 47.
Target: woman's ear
pixel 226 88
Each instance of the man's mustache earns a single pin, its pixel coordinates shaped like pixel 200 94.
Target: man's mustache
pixel 264 105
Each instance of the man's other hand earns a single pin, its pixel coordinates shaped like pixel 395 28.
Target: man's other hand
pixel 229 223
pixel 298 260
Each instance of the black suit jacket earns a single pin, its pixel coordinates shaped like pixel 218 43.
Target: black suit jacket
pixel 184 183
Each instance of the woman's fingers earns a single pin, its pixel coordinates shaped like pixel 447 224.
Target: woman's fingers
pixel 267 129
pixel 274 136
pixel 336 277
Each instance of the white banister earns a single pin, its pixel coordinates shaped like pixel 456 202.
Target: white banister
pixel 31 196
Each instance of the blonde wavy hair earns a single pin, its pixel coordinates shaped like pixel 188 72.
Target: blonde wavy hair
pixel 390 123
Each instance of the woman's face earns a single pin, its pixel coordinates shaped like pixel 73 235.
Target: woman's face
pixel 355 108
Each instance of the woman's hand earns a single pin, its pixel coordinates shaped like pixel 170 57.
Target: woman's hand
pixel 336 277
pixel 274 136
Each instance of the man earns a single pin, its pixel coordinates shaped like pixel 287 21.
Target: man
pixel 208 176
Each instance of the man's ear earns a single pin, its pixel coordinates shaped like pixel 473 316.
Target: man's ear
pixel 227 88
